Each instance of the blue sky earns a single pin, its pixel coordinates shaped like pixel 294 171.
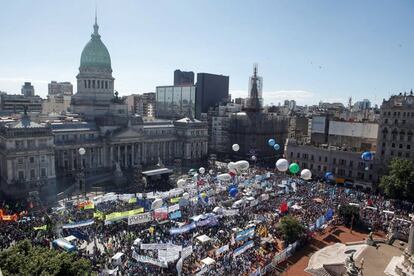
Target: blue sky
pixel 307 50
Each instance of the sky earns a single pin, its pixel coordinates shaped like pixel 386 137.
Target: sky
pixel 306 50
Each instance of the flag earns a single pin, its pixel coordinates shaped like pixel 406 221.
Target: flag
pixel 329 214
pixel 99 215
pixel 89 206
pixel 284 207
pixel 44 227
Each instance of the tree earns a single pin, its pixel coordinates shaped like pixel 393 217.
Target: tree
pixel 349 213
pixel 291 229
pixel 399 183
pixel 25 259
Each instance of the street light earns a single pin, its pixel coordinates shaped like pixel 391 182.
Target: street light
pixel 81 181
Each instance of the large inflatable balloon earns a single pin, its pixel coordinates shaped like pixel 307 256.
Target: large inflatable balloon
pixel 276 147
pixel 186 195
pixel 271 142
pixel 294 168
pixel 224 177
pixel 233 192
pixel 306 174
pixel 367 156
pixel 254 158
pixel 181 183
pixel 201 170
pixel 329 176
pixel 231 166
pixel 235 147
pixel 242 165
pixel 157 203
pixel 211 172
pixel 282 165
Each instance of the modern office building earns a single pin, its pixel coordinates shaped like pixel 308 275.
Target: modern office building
pixel 28 90
pixel 174 102
pixel 210 92
pixel 183 77
pixel 60 88
pixel 14 104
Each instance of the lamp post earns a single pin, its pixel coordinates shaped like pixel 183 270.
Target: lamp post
pixel 81 174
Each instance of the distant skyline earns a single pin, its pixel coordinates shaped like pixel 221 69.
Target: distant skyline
pixel 308 51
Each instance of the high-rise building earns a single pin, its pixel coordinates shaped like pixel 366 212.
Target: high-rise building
pixel 211 91
pixel 60 88
pixel 396 129
pixel 14 104
pixel 143 105
pixel 174 102
pixel 28 90
pixel 183 77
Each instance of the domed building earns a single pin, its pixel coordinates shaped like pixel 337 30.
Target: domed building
pixel 95 84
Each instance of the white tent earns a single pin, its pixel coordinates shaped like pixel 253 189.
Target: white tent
pixel 203 238
pixel 70 238
pixel 208 261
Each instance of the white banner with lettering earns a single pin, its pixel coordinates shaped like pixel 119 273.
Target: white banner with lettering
pixel 140 218
pixel 161 246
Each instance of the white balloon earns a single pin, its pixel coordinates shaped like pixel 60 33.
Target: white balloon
pixel 82 151
pixel 217 210
pixel 282 165
pixel 236 147
pixel 306 174
pixel 201 170
pixel 231 166
pixel 186 195
pixel 224 177
pixel 211 172
pixel 181 183
pixel 242 165
pixel 156 203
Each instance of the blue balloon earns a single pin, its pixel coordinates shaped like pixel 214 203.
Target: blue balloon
pixel 366 156
pixel 233 192
pixel 276 147
pixel 329 176
pixel 271 142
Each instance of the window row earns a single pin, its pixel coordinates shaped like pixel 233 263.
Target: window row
pixel 101 84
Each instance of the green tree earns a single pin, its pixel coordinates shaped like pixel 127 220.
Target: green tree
pixel 349 213
pixel 25 259
pixel 399 183
pixel 291 229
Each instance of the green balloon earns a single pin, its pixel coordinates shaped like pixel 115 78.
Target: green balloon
pixel 294 168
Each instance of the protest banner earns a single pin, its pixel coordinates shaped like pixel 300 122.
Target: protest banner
pixel 140 218
pixel 78 224
pixel 149 260
pixel 243 248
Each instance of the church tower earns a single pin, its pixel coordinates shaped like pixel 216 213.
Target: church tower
pixel 95 84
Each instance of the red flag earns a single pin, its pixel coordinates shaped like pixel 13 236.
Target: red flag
pixel 232 173
pixel 1 213
pixel 369 202
pixel 284 207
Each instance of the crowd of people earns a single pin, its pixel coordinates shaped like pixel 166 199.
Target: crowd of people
pixel 240 228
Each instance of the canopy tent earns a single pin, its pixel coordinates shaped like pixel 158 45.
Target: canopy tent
pixel 203 238
pixel 70 238
pixel 208 261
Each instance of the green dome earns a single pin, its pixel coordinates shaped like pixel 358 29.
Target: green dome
pixel 95 53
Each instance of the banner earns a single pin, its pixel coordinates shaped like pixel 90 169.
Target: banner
pixel 187 251
pixel 78 224
pixel 175 215
pixel 148 260
pixel 161 213
pixel 179 266
pixel 121 215
pixel 245 234
pixel 173 208
pixel 44 227
pixel 9 217
pixel 167 256
pixel 181 230
pixel 243 248
pixel 99 215
pixel 86 205
pixel 160 246
pixel 222 249
pixel 211 221
pixel 140 218
pixel 79 234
